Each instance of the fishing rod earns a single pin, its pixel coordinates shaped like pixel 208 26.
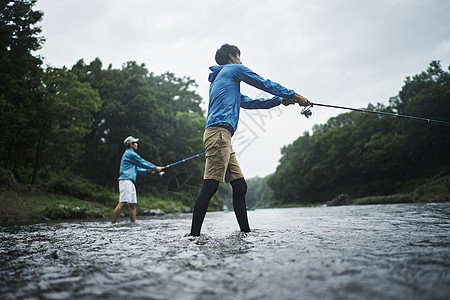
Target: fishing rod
pixel 183 160
pixel 307 113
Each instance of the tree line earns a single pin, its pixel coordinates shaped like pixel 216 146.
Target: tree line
pixel 60 124
pixel 368 155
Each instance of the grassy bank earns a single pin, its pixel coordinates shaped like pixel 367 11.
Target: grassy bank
pixel 435 190
pixel 26 208
pixel 31 207
pixel 73 197
pixel 22 208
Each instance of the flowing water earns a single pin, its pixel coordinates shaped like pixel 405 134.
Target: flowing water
pixel 353 252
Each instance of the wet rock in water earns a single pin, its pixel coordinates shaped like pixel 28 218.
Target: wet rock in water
pixel 187 210
pixel 150 212
pixel 341 199
pixel 53 254
pixel 84 213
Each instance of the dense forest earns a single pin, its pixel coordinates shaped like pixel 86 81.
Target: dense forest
pixel 361 154
pixel 63 128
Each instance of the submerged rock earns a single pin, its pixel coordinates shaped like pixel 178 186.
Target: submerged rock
pixel 341 199
pixel 150 212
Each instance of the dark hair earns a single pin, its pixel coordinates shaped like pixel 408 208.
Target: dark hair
pixel 223 53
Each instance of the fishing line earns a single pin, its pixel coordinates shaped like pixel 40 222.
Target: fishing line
pixel 307 113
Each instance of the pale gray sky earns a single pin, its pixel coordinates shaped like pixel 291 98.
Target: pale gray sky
pixel 348 52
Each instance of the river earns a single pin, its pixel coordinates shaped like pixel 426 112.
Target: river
pixel 399 251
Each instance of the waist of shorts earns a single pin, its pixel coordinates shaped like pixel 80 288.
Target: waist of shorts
pixel 224 125
pixel 124 179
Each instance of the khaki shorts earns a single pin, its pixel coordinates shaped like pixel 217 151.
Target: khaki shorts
pixel 221 163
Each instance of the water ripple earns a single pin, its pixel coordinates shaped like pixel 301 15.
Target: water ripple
pixel 358 252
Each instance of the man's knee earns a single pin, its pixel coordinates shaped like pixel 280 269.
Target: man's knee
pixel 209 187
pixel 239 186
pixel 208 190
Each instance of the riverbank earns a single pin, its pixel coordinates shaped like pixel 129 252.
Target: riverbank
pixel 28 204
pixel 434 190
pixel 75 198
pixel 33 207
pixel 18 208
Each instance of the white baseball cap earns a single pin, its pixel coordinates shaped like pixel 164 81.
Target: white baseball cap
pixel 130 140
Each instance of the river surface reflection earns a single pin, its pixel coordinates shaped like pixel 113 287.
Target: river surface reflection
pixel 354 252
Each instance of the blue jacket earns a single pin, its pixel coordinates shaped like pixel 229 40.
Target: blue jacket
pixel 225 98
pixel 131 164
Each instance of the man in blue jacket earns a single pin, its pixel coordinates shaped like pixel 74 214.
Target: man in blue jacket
pixel 131 165
pixel 225 101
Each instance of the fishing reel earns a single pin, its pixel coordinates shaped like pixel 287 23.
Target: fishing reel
pixel 307 111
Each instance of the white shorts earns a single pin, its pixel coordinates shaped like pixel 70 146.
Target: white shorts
pixel 127 191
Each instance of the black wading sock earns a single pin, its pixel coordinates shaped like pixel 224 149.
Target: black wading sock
pixel 208 190
pixel 240 208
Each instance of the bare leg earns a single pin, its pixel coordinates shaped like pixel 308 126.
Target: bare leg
pixel 133 212
pixel 117 211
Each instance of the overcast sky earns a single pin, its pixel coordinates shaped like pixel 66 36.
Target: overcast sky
pixel 350 52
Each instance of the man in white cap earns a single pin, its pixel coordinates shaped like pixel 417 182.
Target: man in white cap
pixel 131 165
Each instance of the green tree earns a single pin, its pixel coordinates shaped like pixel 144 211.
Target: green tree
pixel 163 111
pixel 427 95
pixel 20 79
pixel 259 194
pixel 62 120
pixel 365 155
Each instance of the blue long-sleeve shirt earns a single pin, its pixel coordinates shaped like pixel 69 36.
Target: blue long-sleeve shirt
pixel 225 98
pixel 132 164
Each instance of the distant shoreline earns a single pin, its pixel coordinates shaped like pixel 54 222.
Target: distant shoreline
pixel 23 208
